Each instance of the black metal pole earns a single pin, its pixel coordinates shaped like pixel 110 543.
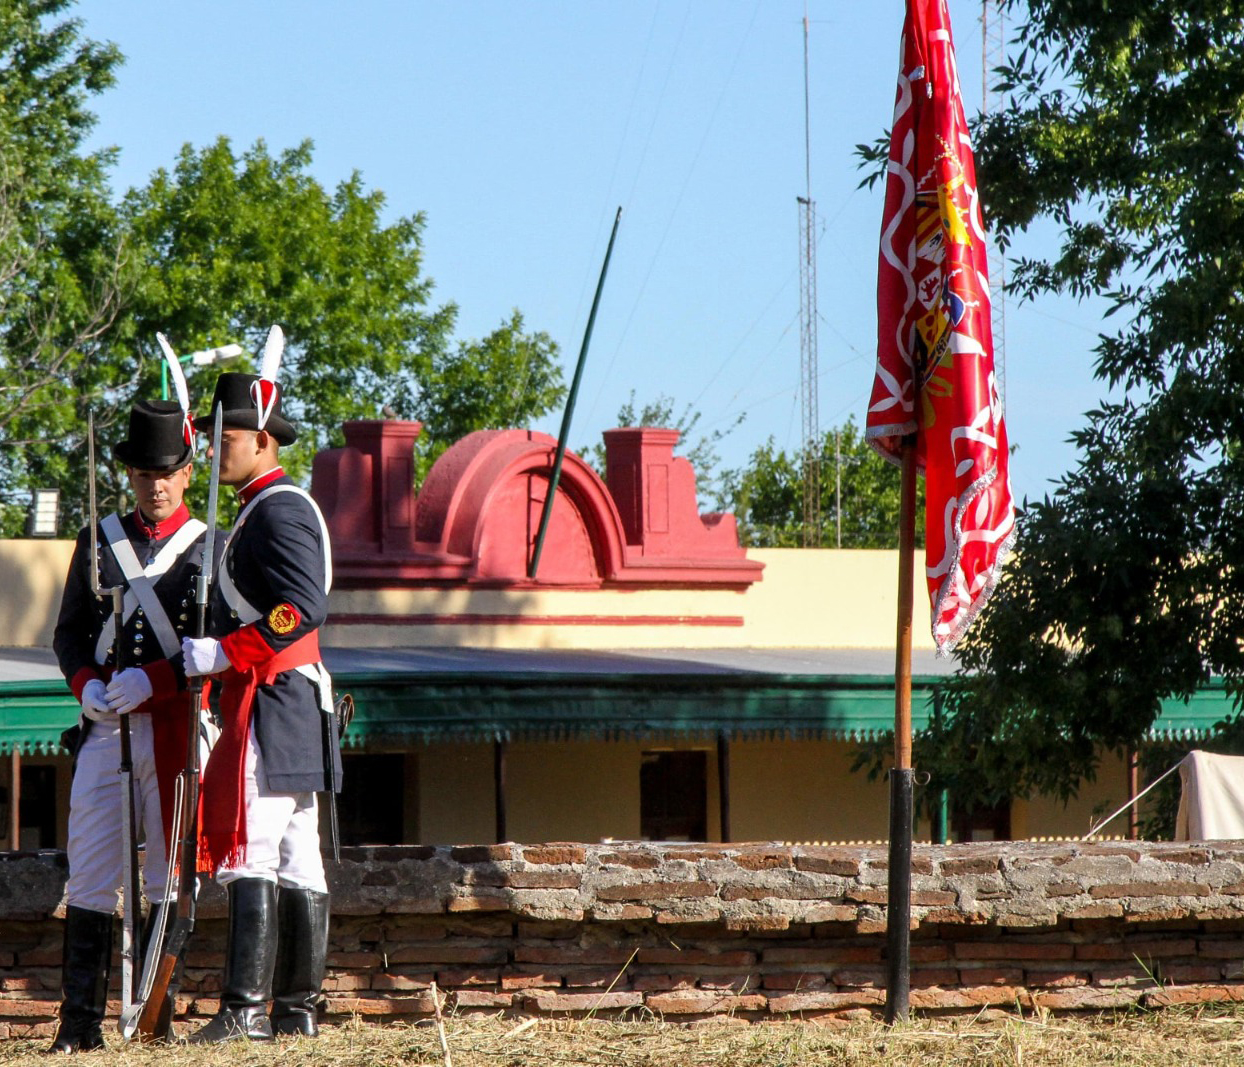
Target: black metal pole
pixel 547 511
pixel 898 897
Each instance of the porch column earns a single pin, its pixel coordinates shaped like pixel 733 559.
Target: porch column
pixel 15 799
pixel 498 786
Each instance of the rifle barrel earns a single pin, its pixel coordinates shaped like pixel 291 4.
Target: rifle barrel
pixel 183 925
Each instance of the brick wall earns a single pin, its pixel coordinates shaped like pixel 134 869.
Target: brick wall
pixel 688 931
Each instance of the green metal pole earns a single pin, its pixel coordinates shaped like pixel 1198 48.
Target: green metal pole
pixel 163 380
pixel 555 477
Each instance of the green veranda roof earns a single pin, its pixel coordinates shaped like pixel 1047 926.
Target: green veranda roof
pixel 408 696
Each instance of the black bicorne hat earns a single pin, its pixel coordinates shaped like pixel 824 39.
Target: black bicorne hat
pixel 235 392
pixel 157 438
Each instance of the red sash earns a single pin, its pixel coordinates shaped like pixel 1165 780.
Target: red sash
pixel 223 843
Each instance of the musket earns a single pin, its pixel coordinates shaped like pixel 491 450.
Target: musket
pixel 164 952
pixel 130 965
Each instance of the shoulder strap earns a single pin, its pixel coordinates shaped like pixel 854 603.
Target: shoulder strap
pixel 246 611
pixel 140 582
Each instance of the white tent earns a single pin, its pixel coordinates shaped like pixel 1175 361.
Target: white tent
pixel 1211 803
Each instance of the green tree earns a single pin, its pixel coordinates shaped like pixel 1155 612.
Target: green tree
pixel 212 250
pixel 1127 130
pixel 232 243
pixel 507 379
pixel 767 494
pixel 63 263
pixel 223 245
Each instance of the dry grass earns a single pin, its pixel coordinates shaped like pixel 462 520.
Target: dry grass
pixel 1170 1038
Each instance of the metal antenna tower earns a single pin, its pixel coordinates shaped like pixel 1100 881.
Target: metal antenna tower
pixel 811 422
pixel 993 54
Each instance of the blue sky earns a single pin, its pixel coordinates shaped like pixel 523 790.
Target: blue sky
pixel 518 128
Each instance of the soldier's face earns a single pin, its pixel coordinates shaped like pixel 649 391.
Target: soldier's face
pixel 159 493
pixel 244 454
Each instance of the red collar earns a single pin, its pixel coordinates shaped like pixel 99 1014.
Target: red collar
pixel 255 486
pixel 160 530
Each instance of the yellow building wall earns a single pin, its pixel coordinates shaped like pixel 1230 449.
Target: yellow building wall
pixel 1050 817
pixel 797 604
pixel 455 794
pixel 588 790
pixel 32 575
pixel 573 790
pixel 804 791
pixel 555 791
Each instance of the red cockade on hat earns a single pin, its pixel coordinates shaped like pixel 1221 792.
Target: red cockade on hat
pixel 263 393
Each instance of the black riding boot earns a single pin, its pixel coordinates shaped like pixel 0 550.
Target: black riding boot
pixel 301 949
pixel 86 963
pixel 249 959
pixel 164 1025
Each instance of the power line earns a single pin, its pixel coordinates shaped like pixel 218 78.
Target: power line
pixel 682 192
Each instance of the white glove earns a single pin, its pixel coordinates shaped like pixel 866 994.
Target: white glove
pixel 95 702
pixel 203 655
pixel 128 689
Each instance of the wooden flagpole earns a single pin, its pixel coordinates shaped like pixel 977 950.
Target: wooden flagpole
pixel 898 899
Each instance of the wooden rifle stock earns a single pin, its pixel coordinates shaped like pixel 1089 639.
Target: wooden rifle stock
pixel 183 923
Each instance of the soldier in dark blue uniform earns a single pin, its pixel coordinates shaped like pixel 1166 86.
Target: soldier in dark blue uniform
pixel 278 745
pixel 155 552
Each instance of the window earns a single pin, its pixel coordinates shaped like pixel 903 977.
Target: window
pixel 982 824
pixel 38 807
pixel 673 796
pixel 372 803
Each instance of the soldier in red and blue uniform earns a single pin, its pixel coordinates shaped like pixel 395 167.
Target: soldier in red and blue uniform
pixel 155 552
pixel 278 744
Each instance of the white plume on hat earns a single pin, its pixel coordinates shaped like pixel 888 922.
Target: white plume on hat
pixel 179 387
pixel 263 391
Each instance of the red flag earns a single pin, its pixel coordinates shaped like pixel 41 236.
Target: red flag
pixel 935 372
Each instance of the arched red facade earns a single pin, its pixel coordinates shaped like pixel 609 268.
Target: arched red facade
pixel 475 519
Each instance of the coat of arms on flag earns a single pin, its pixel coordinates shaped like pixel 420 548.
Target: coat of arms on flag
pixel 935 372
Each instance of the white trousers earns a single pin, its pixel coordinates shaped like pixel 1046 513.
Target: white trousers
pixel 96 863
pixel 282 833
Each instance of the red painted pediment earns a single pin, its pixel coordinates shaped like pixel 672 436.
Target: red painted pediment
pixel 475 519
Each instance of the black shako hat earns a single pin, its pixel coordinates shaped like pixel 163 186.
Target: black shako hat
pixel 236 398
pixel 157 440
